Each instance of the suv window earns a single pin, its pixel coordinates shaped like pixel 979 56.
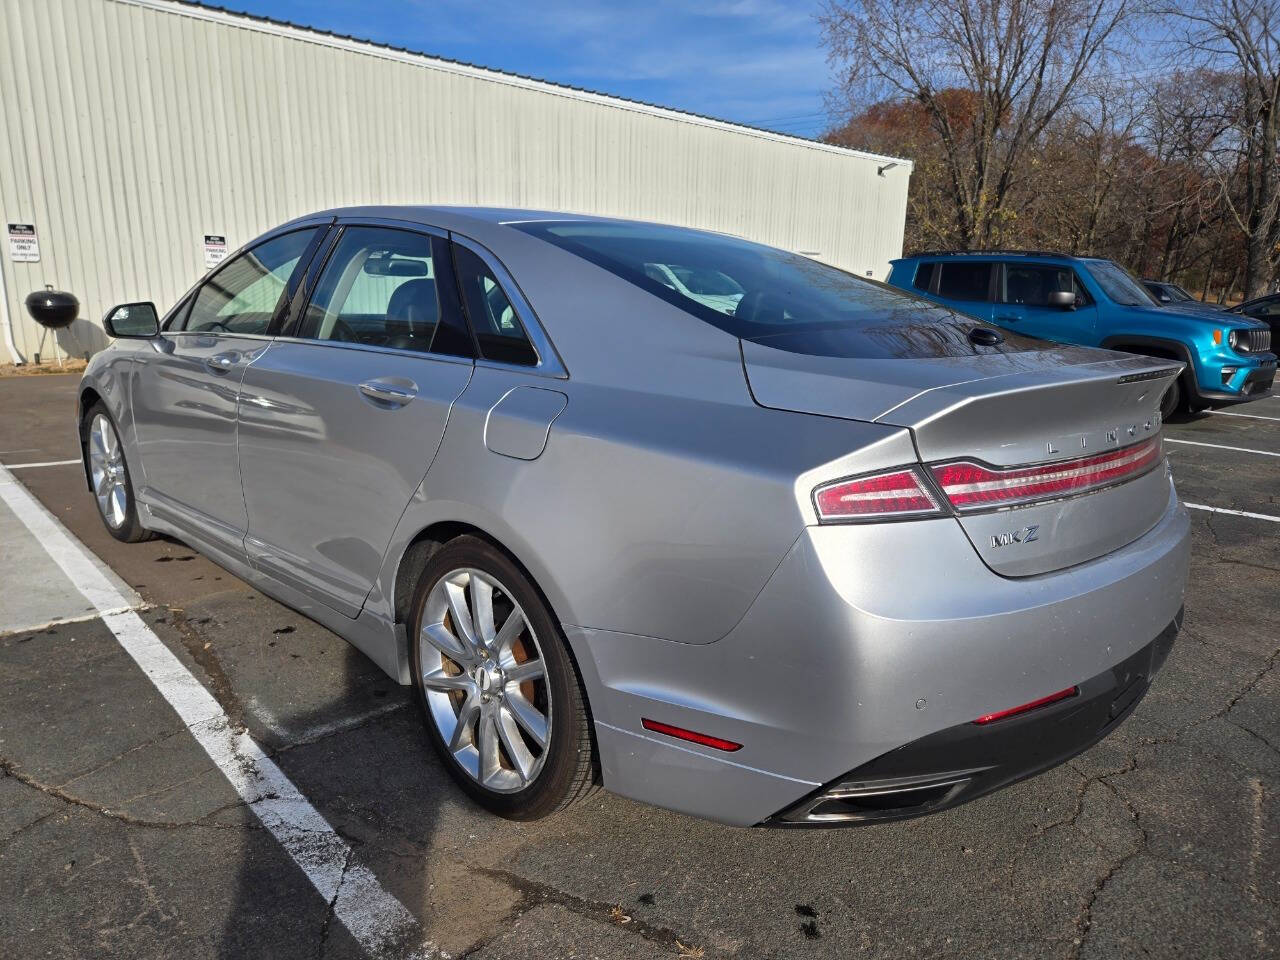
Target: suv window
pixel 1269 308
pixel 924 276
pixel 499 333
pixel 243 295
pixel 961 280
pixel 1031 284
pixel 382 288
pixel 1119 284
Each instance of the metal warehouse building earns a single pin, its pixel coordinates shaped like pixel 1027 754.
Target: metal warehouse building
pixel 139 133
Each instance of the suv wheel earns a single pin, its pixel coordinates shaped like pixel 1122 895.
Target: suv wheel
pixel 1171 402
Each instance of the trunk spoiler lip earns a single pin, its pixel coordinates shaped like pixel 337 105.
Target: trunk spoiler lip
pixel 1150 368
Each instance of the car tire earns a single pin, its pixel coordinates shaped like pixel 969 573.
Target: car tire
pixel 109 478
pixel 1171 403
pixel 483 696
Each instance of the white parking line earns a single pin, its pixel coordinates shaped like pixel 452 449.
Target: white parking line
pixel 46 463
pixel 1234 513
pixel 376 919
pixel 1220 446
pixel 1250 416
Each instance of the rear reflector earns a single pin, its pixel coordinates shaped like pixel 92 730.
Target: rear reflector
pixel 894 494
pixel 972 486
pixel 1027 707
pixel 680 733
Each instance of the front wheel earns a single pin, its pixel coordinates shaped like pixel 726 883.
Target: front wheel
pixel 498 690
pixel 109 477
pixel 1171 402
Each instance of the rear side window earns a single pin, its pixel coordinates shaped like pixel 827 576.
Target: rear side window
pixel 387 288
pixel 243 295
pixel 499 333
pixel 924 276
pixel 961 280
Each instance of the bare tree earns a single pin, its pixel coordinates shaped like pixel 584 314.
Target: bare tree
pixel 1241 39
pixel 1023 61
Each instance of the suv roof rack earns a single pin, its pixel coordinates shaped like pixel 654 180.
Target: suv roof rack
pixel 998 252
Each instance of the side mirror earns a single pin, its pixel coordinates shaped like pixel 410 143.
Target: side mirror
pixel 132 321
pixel 1063 299
pixel 1165 298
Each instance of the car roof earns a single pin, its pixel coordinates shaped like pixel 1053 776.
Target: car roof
pixel 1039 255
pixel 434 215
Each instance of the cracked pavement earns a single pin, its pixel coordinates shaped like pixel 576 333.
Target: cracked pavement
pixel 120 838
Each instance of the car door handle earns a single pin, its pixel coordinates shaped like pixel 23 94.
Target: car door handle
pixel 396 396
pixel 221 362
pixel 1008 318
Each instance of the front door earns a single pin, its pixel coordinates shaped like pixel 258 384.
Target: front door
pixel 339 422
pixel 1023 304
pixel 185 391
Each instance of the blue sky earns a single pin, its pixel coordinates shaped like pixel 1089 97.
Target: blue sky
pixel 753 61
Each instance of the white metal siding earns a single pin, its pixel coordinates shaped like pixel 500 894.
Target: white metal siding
pixel 135 127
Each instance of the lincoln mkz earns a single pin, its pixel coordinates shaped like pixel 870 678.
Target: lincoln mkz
pixel 713 525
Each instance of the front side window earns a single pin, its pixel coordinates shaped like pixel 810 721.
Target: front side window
pixel 924 276
pixel 243 295
pixel 386 288
pixel 1030 285
pixel 962 280
pixel 1118 284
pixel 499 333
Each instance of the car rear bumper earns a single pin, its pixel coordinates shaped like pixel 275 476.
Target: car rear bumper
pixel 866 638
pixel 962 763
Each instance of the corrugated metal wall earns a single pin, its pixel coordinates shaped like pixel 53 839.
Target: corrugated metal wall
pixel 135 127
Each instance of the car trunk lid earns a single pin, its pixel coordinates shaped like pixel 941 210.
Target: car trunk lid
pixel 1025 404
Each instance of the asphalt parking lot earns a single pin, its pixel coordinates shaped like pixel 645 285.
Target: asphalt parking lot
pixel 121 836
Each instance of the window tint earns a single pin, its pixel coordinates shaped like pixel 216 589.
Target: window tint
pixel 499 333
pixel 1031 285
pixel 962 280
pixel 1269 308
pixel 924 275
pixel 385 288
pixel 242 296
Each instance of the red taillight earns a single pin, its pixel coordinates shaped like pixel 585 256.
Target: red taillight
pixel 898 493
pixel 680 733
pixel 1026 707
pixel 971 486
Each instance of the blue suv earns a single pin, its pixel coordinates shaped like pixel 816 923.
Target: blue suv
pixel 1097 303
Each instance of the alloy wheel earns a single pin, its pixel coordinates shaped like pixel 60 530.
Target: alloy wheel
pixel 106 470
pixel 485 680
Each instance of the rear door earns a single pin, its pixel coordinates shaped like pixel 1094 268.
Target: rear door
pixel 185 388
pixel 1023 303
pixel 965 285
pixel 341 417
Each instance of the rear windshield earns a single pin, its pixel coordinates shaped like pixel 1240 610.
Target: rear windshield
pixel 757 292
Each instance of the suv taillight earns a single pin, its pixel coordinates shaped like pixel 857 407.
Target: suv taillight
pixel 895 493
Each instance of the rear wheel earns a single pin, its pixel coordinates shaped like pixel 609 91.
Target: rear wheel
pixel 498 691
pixel 109 477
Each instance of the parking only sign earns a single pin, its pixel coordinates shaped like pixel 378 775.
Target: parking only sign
pixel 215 250
pixel 24 245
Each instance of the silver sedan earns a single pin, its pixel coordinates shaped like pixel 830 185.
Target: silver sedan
pixel 710 524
